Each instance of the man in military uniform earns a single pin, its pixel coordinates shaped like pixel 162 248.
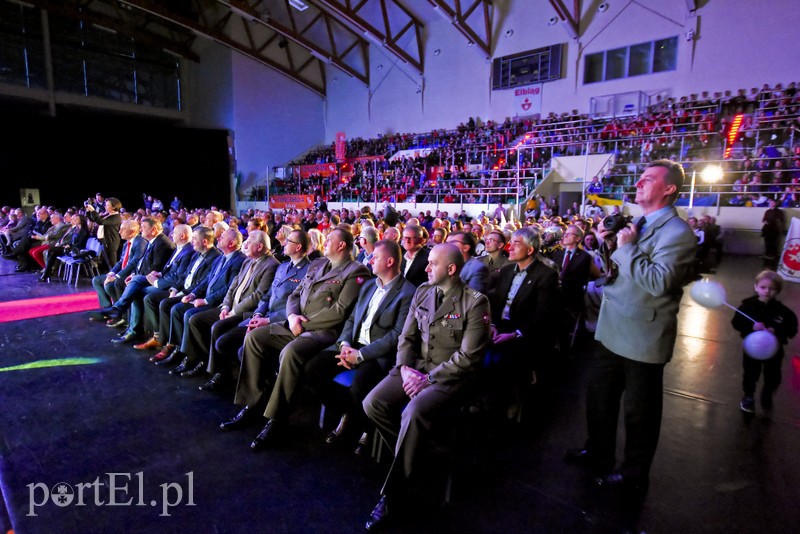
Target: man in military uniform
pixel 316 311
pixel 442 345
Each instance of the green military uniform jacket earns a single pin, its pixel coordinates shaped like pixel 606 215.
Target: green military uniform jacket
pixel 449 342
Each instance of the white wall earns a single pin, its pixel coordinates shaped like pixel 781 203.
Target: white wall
pixel 274 119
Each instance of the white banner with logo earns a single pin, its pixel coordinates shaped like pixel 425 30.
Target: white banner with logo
pixel 528 100
pixel 412 153
pixel 789 265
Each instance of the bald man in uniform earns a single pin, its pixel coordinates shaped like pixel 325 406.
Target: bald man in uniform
pixel 440 349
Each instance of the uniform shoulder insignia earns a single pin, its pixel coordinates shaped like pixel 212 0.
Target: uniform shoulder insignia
pixel 477 294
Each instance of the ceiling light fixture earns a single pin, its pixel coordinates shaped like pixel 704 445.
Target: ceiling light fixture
pixel 299 5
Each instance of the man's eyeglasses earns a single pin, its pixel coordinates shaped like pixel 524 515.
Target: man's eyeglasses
pixel 290 241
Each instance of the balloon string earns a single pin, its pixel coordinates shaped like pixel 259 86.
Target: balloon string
pixel 737 310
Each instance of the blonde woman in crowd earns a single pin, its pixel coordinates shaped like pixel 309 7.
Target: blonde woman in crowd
pixel 317 244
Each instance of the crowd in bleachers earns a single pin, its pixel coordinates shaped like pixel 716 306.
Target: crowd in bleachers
pixel 479 163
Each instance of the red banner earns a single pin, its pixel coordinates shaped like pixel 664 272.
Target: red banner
pixel 341 146
pixel 291 201
pixel 319 169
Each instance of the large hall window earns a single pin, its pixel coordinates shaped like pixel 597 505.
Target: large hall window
pixel 87 59
pixel 634 60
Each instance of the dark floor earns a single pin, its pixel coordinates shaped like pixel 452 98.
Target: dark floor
pixel 715 470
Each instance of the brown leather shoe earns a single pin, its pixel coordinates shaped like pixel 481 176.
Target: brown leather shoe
pixel 151 343
pixel 165 352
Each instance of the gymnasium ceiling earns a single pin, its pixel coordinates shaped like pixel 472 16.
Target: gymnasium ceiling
pixel 294 37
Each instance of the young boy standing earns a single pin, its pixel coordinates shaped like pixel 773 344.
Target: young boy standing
pixel 770 315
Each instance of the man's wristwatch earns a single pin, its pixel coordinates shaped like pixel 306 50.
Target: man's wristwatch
pixel 431 380
pixel 359 358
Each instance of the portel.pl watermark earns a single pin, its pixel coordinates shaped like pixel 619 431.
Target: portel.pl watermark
pixel 115 489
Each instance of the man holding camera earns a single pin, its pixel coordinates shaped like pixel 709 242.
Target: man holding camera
pixel 651 262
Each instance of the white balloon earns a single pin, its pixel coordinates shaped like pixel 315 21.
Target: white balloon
pixel 708 293
pixel 761 345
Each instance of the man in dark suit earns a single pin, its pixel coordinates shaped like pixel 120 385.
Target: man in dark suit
pixel 575 269
pixel 159 300
pixel 415 258
pixel 368 342
pixel 226 342
pixel 316 311
pixel 523 318
pixel 244 293
pixel 209 294
pixel 638 324
pixel 132 253
pixel 440 348
pixel 159 248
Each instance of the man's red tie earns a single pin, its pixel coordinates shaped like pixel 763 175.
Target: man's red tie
pixel 127 254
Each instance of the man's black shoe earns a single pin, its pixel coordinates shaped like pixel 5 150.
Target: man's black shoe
pixel 183 366
pixel 241 419
pixel 197 370
pixel 215 383
pixel 379 515
pixel 268 437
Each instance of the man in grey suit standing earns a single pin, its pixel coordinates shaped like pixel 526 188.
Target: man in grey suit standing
pixel 636 331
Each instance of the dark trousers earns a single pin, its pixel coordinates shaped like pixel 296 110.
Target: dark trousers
pixel 640 385
pixel 225 345
pixel 752 372
pixel 198 342
pixel 771 245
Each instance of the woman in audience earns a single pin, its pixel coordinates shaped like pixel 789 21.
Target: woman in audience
pixel 317 244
